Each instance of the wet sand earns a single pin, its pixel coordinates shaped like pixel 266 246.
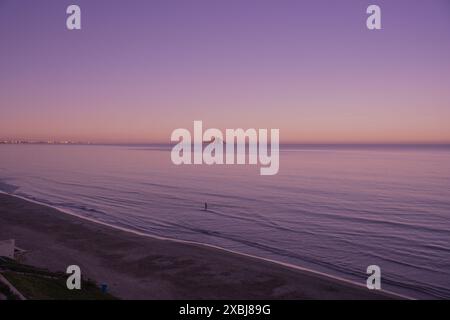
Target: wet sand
pixel 139 267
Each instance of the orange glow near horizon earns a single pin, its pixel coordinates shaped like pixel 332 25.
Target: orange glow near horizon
pixel 317 76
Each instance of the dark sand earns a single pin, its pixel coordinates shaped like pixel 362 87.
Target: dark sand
pixel 138 267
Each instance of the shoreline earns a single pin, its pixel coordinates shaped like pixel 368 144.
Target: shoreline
pixel 320 285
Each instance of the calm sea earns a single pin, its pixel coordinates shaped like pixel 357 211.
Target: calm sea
pixel 335 209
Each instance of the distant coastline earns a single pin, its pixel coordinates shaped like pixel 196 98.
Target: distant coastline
pixel 356 145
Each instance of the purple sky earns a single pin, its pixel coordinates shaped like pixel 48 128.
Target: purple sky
pixel 139 69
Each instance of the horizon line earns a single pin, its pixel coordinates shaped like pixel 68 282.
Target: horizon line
pixel 287 143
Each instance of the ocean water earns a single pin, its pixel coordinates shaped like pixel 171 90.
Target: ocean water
pixel 334 209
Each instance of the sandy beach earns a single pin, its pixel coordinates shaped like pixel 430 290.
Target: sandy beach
pixel 138 267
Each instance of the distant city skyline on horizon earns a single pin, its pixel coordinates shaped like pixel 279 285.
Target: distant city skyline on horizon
pixel 324 143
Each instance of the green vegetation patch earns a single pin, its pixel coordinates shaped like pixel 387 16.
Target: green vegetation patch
pixel 40 284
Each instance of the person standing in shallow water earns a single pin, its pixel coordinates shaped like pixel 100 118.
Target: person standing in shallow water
pixel 206 206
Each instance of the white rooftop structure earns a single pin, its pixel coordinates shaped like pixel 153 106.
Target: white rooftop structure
pixel 7 248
